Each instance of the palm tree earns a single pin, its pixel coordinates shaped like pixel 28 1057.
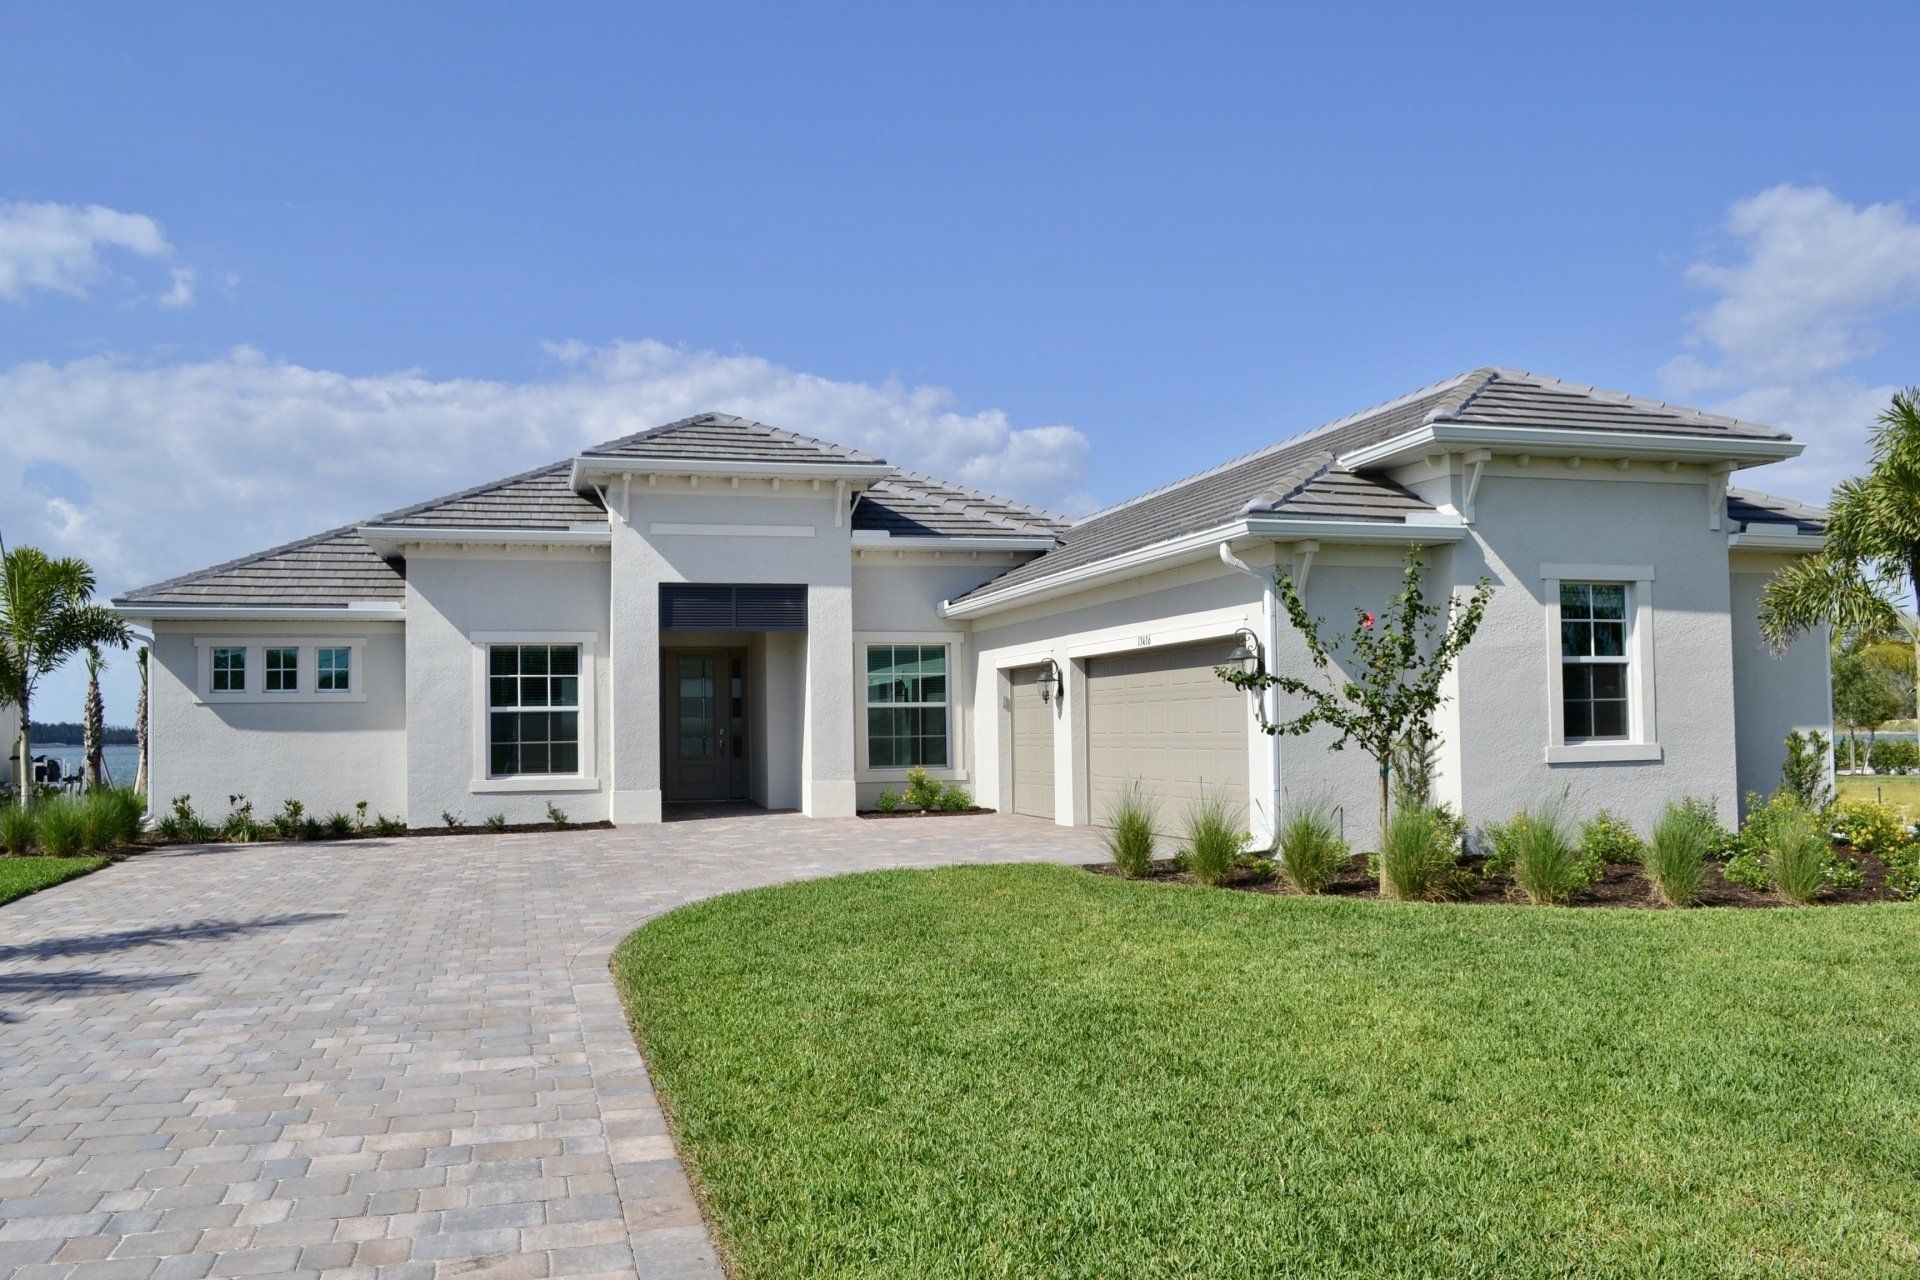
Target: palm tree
pixel 47 615
pixel 1872 551
pixel 93 721
pixel 140 724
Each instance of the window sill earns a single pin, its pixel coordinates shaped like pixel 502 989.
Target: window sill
pixel 1604 753
pixel 534 782
pixel 259 699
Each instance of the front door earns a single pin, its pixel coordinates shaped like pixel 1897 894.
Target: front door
pixel 703 737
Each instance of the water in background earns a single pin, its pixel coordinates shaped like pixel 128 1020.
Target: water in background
pixel 121 761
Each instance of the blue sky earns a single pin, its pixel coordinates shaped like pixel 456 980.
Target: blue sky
pixel 264 270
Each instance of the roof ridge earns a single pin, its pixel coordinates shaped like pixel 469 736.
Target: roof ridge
pixel 1483 377
pixel 420 508
pixel 1313 467
pixel 298 544
pixel 1278 445
pixel 715 417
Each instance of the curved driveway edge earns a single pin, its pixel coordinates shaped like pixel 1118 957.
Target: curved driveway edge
pixel 398 1058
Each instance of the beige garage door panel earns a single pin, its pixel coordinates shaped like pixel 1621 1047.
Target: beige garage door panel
pixel 1162 718
pixel 1032 745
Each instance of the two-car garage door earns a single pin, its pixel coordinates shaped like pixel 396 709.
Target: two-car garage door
pixel 1156 717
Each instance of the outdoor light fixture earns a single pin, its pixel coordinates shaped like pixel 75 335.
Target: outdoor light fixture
pixel 1050 681
pixel 1247 655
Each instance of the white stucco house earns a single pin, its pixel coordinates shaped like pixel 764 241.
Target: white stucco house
pixel 718 610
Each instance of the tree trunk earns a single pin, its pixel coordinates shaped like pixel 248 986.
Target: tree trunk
pixel 92 730
pixel 26 749
pixel 140 729
pixel 1381 840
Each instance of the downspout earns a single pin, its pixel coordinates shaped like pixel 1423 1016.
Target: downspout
pixel 1270 645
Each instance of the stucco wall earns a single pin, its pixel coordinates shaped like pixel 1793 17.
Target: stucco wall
pixel 1553 514
pixel 1773 695
pixel 451 596
pixel 327 755
pixel 9 744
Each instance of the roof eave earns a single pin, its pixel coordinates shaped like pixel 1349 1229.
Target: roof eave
pixel 588 465
pixel 357 611
pixel 1437 437
pixel 1201 545
pixel 393 539
pixel 1798 543
pixel 872 539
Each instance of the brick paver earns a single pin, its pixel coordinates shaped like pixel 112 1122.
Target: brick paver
pixel 383 1058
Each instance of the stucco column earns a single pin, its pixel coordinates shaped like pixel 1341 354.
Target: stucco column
pixel 827 765
pixel 1070 744
pixel 633 679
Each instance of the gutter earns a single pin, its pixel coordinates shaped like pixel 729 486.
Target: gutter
pixel 362 612
pixel 1438 437
pixel 870 539
pixel 393 537
pixel 1756 540
pixel 588 464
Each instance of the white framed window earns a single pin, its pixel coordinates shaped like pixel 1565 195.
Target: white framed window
pixel 228 670
pixel 1600 663
pixel 533 711
pixel 333 668
pixel 909 706
pixel 283 670
pixel 279 669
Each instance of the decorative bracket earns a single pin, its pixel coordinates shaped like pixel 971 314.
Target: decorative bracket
pixel 1476 461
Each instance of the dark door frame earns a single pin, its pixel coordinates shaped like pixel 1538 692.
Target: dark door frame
pixel 723 775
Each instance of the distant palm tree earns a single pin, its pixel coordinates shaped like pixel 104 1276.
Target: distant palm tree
pixel 93 721
pixel 140 724
pixel 47 615
pixel 1872 551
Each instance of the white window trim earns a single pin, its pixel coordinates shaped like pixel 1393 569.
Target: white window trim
pixel 1642 743
pixel 306 671
pixel 587 778
pixel 955 646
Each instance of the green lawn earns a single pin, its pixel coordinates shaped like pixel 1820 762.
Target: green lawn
pixel 1032 1071
pixel 22 876
pixel 1900 790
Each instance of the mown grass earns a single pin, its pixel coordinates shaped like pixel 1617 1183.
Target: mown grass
pixel 22 876
pixel 1032 1071
pixel 1899 790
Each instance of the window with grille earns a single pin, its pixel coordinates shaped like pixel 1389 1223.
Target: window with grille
pixel 907 706
pixel 1594 666
pixel 533 709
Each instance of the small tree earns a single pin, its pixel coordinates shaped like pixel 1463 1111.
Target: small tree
pixel 140 724
pixel 1864 697
pixel 47 615
pixel 1398 661
pixel 1804 772
pixel 93 722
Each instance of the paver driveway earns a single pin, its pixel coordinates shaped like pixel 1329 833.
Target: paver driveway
pixel 381 1058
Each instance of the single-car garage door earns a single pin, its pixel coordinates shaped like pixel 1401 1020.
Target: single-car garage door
pixel 1160 717
pixel 1032 745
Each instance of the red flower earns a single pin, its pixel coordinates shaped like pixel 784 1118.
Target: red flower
pixel 1366 622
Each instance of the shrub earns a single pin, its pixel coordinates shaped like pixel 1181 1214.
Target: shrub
pixel 1215 840
pixel 360 815
pixel 1549 865
pixel 1129 837
pixel 1894 755
pixel 1722 841
pixel 290 821
pixel 1420 853
pixel 556 815
pixel 240 825
pixel 385 826
pixel 339 826
pixel 1608 839
pixel 16 828
pixel 1804 772
pixel 452 821
pixel 494 822
pixel 1903 870
pixel 1870 827
pixel 59 827
pixel 955 798
pixel 310 829
pixel 922 792
pixel 183 826
pixel 1309 844
pixel 1785 847
pixel 887 801
pixel 1677 854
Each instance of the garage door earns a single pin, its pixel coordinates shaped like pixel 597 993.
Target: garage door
pixel 1160 717
pixel 1032 745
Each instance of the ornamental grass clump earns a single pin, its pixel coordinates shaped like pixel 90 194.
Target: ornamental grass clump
pixel 1309 846
pixel 1677 855
pixel 60 827
pixel 1130 823
pixel 125 813
pixel 1549 865
pixel 1420 854
pixel 1799 856
pixel 1215 840
pixel 16 829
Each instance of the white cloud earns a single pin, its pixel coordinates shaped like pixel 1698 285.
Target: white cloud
pixel 165 468
pixel 1797 310
pixel 64 248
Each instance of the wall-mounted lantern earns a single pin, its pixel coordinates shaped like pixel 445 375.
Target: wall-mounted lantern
pixel 1050 681
pixel 1248 655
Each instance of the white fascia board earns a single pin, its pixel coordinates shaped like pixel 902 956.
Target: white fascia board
pixel 392 537
pixel 1203 545
pixel 868 539
pixel 1558 441
pixel 1803 543
pixel 363 611
pixel 588 465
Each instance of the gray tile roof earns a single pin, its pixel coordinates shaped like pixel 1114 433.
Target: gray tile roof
pixel 1299 477
pixel 335 568
pixel 1746 507
pixel 721 437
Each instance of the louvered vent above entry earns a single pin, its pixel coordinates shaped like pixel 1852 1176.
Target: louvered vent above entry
pixel 700 606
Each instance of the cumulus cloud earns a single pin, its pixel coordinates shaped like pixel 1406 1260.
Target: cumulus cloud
pixel 65 248
pixel 1802 304
pixel 151 469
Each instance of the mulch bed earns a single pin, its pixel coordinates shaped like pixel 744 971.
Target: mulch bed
pixel 1624 885
pixel 151 841
pixel 923 813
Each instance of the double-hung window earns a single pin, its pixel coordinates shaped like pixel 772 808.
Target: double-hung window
pixel 908 718
pixel 229 670
pixel 283 670
pixel 533 709
pixel 1595 667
